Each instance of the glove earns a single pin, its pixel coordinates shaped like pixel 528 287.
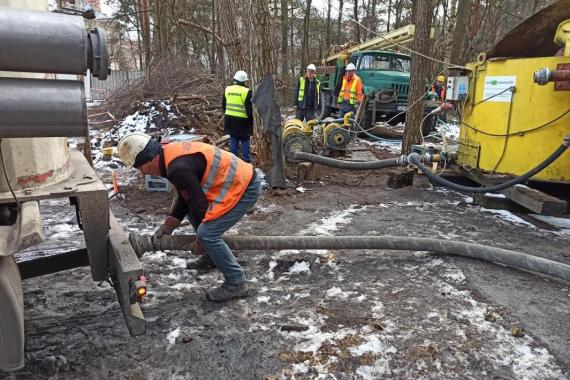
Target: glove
pixel 166 228
pixel 196 248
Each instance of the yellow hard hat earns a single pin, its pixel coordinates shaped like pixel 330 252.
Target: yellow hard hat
pixel 441 78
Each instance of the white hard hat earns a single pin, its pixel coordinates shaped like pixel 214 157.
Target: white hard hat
pixel 130 146
pixel 350 66
pixel 312 67
pixel 241 76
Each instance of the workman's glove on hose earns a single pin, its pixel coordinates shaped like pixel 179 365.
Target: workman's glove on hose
pixel 196 248
pixel 166 228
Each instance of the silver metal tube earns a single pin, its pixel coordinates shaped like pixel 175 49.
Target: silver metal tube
pixel 46 42
pixel 42 108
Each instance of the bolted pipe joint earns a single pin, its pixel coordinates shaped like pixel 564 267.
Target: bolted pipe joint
pixel 542 76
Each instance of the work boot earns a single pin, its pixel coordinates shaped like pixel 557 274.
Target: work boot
pixel 201 263
pixel 228 292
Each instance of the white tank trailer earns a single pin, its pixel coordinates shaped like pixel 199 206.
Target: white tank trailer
pixel 37 114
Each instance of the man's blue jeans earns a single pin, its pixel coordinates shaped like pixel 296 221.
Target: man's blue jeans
pixel 210 233
pixel 234 146
pixel 344 108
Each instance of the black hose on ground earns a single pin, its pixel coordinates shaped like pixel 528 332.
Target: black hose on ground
pixel 444 247
pixel 415 159
pixel 352 165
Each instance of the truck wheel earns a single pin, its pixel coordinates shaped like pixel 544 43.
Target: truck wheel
pixel 325 110
pixel 11 316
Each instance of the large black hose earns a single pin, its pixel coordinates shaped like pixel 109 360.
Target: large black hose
pixel 352 165
pixel 414 159
pixel 514 259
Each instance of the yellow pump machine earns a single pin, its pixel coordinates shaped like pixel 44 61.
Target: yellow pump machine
pixel 320 137
pixel 517 110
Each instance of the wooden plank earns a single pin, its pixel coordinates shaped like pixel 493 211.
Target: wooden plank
pixel 478 176
pixel 400 178
pixel 535 200
pixel 497 203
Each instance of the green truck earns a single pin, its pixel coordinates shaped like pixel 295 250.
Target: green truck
pixel 385 76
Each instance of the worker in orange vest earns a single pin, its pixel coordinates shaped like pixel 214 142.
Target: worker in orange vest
pixel 215 189
pixel 350 94
pixel 438 88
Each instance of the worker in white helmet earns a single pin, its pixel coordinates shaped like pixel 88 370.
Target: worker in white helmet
pixel 214 190
pixel 307 95
pixel 350 94
pixel 238 115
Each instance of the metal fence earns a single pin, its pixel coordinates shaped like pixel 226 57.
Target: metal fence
pixel 100 89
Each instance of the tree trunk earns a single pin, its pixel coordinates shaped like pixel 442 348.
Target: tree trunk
pixel 420 70
pixel 372 21
pixel 265 64
pixel 389 14
pixel 284 40
pixel 328 33
pixel 356 24
pixel 459 31
pixel 236 51
pixel 339 23
pixel 144 22
pixel 450 28
pixel 306 30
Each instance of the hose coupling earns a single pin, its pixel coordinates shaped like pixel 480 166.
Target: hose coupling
pixel 566 141
pixel 542 76
pixel 402 160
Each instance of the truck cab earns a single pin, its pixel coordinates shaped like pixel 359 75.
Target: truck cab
pixel 385 77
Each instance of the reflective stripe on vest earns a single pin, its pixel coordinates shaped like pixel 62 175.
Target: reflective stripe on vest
pixel 235 101
pixel 301 94
pixel 352 91
pixel 225 179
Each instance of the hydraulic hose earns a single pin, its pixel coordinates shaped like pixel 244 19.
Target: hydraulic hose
pixel 143 243
pixel 352 165
pixel 414 159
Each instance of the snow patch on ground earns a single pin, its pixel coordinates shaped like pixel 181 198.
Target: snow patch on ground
pixel 509 217
pixel 269 275
pixel 520 353
pixel 338 293
pixel 300 267
pixel 449 130
pixel 375 345
pixel 331 223
pixel 495 195
pixel 392 146
pixel 562 223
pixel 263 299
pixel 171 336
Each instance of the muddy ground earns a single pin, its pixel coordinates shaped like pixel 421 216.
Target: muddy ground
pixel 355 314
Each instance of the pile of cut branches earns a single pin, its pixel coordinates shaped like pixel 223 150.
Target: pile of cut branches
pixel 194 95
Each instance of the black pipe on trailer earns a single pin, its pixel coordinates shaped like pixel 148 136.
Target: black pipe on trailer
pixel 58 262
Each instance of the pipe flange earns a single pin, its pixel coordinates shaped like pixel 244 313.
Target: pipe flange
pixel 99 57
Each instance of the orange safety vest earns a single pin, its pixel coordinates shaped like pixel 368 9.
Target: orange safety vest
pixel 350 94
pixel 441 95
pixel 226 177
